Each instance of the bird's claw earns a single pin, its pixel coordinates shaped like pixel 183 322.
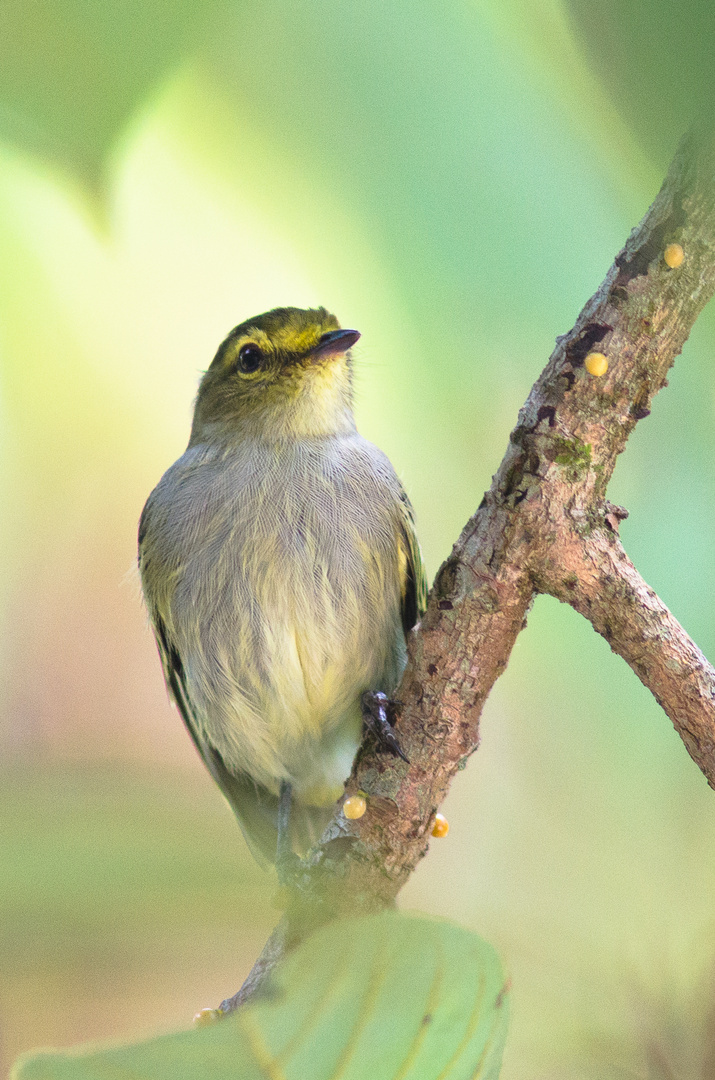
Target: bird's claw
pixel 376 708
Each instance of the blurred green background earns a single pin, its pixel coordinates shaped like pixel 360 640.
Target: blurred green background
pixel 452 177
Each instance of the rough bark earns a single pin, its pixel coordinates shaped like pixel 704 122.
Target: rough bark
pixel 544 526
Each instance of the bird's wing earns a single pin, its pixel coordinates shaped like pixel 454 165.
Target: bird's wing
pixel 412 568
pixel 254 806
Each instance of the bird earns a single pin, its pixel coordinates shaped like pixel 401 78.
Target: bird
pixel 282 575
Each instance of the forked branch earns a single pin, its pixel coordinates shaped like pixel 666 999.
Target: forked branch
pixel 544 526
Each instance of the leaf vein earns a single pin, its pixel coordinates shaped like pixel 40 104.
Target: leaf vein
pixel 257 1045
pixel 366 1008
pixel 430 1006
pixel 471 1028
pixel 338 975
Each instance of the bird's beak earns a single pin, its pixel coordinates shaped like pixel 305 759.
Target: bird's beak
pixel 334 343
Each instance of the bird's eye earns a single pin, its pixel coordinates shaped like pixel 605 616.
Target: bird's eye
pixel 250 358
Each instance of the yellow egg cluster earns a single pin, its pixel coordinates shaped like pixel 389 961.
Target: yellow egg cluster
pixel 673 256
pixel 596 364
pixel 441 826
pixel 354 807
pixel 206 1017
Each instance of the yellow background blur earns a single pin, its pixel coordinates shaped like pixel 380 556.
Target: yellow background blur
pixel 453 178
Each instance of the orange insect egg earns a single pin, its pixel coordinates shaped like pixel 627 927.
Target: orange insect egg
pixel 673 256
pixel 441 826
pixel 206 1017
pixel 354 807
pixel 596 364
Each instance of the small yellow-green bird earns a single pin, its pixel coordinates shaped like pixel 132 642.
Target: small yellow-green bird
pixel 281 572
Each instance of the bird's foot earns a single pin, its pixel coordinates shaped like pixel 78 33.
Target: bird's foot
pixel 377 713
pixel 288 864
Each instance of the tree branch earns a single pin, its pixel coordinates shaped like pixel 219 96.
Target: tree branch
pixel 606 588
pixel 544 526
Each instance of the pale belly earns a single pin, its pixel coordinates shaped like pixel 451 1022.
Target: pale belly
pixel 286 608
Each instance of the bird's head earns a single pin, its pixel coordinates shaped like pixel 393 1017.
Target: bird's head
pixel 285 374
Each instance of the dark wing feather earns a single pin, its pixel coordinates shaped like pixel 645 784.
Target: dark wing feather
pixel 255 808
pixel 414 578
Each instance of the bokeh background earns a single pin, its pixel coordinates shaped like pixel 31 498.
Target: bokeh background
pixel 452 177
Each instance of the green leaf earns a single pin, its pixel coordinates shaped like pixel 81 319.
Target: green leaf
pixel 72 72
pixel 385 997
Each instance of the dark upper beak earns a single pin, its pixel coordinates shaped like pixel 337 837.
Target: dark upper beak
pixel 334 343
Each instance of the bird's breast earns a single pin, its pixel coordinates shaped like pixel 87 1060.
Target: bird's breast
pixel 286 602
